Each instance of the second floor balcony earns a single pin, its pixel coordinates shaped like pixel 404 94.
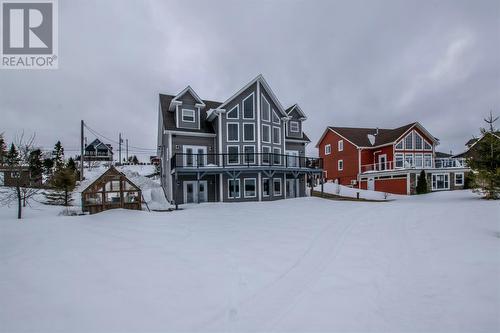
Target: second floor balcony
pixel 416 163
pixel 244 161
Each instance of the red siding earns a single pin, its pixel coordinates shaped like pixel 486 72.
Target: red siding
pixel 349 155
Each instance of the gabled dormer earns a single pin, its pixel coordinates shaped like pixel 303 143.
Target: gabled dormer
pixel 187 106
pixel 294 126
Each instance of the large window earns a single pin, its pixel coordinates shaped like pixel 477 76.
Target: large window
pixel 294 127
pixel 418 142
pixel 266 185
pixel 328 149
pixel 340 145
pixel 419 160
pixel 266 133
pixel 440 181
pixel 409 141
pixel 459 179
pixel 249 186
pixel 276 135
pixel 249 154
pixel 233 113
pixel 233 154
pixel 233 188
pixel 427 160
pixel 266 109
pixel 427 145
pixel 188 116
pixel 399 160
pixel 276 156
pixel 249 132
pixel 276 118
pixel 248 109
pixel 399 145
pixel 266 155
pixel 233 130
pixel 277 186
pixel 409 162
pixel 340 165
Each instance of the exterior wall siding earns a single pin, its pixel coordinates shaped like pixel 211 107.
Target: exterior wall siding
pixel 188 102
pixel 349 156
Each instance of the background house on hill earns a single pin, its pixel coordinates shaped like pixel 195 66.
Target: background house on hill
pixel 98 151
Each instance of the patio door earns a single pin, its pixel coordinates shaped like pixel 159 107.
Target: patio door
pixel 382 161
pixel 194 193
pixel 292 158
pixel 371 184
pixel 194 156
pixel 440 181
pixel 290 188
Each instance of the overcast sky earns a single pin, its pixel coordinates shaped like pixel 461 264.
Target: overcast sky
pixel 367 63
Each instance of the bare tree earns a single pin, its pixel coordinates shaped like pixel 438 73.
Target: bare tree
pixel 18 162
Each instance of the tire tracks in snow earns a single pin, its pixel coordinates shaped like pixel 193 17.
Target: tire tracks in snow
pixel 269 304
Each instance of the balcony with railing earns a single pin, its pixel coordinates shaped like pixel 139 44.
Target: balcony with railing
pixel 190 162
pixel 417 163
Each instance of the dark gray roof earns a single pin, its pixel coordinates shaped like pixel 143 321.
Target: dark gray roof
pixel 359 136
pixel 442 155
pixel 169 120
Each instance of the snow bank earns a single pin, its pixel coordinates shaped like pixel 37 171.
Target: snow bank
pixel 349 192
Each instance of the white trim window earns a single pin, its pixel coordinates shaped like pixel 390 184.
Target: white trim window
pixel 188 116
pixel 249 154
pixel 233 189
pixel 418 142
pixel 233 132
pixel 409 161
pixel 419 161
pixel 276 118
pixel 294 127
pixel 328 149
pixel 234 113
pixel 266 133
pixel 266 155
pixel 233 155
pixel 266 187
pixel 248 107
pixel 427 160
pixel 427 145
pixel 459 179
pixel 340 165
pixel 440 181
pixel 409 141
pixel 277 156
pixel 248 132
pixel 276 135
pixel 249 187
pixel 399 159
pixel 277 184
pixel 340 145
pixel 266 109
pixel 399 145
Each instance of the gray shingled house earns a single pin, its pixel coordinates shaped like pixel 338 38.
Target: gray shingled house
pixel 247 148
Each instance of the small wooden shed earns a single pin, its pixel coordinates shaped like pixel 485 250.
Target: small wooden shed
pixel 111 190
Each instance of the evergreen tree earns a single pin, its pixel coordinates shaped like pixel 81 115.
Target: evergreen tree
pixel 422 183
pixel 3 149
pixel 62 183
pixel 35 164
pixel 71 164
pixel 133 159
pixel 58 156
pixel 12 158
pixel 48 166
pixel 485 162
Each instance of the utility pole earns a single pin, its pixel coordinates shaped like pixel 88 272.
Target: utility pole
pixel 120 148
pixel 81 150
pixel 126 148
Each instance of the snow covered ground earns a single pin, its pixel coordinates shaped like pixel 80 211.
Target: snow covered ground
pixel 426 263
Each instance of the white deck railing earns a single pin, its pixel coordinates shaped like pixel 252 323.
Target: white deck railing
pixel 436 163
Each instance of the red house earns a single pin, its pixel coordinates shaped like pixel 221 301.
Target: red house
pixel 388 160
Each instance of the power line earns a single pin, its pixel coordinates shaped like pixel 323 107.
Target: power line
pixel 96 133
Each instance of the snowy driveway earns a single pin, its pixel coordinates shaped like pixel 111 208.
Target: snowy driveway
pixel 429 263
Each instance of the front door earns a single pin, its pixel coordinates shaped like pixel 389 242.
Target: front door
pixel 371 184
pixel 290 188
pixel 194 193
